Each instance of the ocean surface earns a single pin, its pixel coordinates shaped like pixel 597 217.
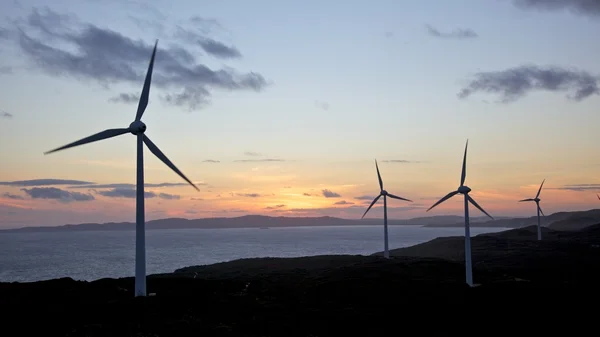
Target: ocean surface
pixel 91 255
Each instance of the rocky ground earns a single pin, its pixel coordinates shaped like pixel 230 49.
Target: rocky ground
pixel 525 284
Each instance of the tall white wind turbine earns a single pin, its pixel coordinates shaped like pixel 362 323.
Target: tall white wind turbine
pixel 464 190
pixel 385 194
pixel 539 210
pixel 137 128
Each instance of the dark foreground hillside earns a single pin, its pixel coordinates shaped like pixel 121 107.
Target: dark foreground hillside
pixel 525 284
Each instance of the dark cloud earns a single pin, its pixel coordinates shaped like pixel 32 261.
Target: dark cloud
pixel 131 186
pixel 196 199
pixel 56 194
pixel 13 196
pixel 44 182
pixel 582 7
pixel 125 193
pixel 344 202
pixel 219 49
pixel 460 34
pixel 330 194
pixel 210 161
pixel 258 160
pixel 400 161
pixel 579 187
pixel 63 46
pixel 364 197
pixel 514 83
pixel 168 196
pixel 127 98
pixel 4 114
pixel 306 194
pixel 249 195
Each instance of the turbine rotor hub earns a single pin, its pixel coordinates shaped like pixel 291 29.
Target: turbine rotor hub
pixel 464 189
pixel 384 192
pixel 537 199
pixel 137 127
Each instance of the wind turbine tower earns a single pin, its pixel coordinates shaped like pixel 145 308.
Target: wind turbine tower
pixel 464 190
pixel 138 129
pixel 539 210
pixel 385 194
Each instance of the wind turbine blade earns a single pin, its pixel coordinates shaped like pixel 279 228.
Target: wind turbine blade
pixel 541 210
pixel 479 207
pixel 146 89
pixel 93 138
pixel 598 196
pixel 464 166
pixel 538 193
pixel 448 196
pixel 373 203
pixel 379 176
pixel 526 200
pixel 156 151
pixel 397 197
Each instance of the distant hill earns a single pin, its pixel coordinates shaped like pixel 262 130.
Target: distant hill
pixel 247 221
pixel 556 221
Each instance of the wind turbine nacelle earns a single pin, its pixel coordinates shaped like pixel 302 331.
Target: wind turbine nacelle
pixel 384 192
pixel 464 189
pixel 137 127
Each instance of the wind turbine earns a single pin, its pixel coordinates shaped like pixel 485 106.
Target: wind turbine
pixel 137 128
pixel 464 190
pixel 385 194
pixel 539 209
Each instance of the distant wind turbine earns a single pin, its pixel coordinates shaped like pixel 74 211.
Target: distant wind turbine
pixel 137 128
pixel 539 210
pixel 464 190
pixel 385 194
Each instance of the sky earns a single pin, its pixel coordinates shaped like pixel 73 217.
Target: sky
pixel 282 107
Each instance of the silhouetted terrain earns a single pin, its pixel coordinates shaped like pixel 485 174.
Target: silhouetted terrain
pixel 420 287
pixel 559 221
pixel 247 221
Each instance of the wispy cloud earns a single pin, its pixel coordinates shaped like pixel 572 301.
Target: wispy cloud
pixel 322 105
pixel 121 192
pixel 252 154
pixel 459 34
pixel 168 196
pixel 259 160
pixel 211 161
pixel 364 197
pixel 579 187
pixel 344 202
pixel 45 182
pixel 582 7
pixel 514 83
pixel 56 194
pixel 400 161
pixel 132 186
pixel 127 98
pixel 4 114
pixel 275 207
pixel 13 196
pixel 330 194
pixel 62 45
pixel 249 195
